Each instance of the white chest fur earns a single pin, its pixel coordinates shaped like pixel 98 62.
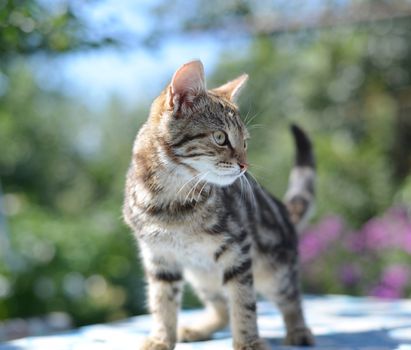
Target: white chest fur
pixel 188 247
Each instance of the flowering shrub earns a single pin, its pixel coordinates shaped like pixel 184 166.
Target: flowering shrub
pixel 374 260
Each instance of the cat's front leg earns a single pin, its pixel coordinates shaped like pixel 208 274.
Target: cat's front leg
pixel 164 298
pixel 238 279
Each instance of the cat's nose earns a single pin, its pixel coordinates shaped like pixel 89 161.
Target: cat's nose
pixel 243 166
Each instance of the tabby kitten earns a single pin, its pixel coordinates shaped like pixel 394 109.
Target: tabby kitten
pixel 185 201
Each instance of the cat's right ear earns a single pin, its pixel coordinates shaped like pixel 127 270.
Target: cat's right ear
pixel 188 82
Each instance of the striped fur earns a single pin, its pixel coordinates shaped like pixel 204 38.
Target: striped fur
pixel 187 204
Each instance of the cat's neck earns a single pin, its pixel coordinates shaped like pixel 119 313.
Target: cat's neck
pixel 162 181
pixel 182 185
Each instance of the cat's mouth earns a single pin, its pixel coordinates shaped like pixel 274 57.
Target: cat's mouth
pixel 223 179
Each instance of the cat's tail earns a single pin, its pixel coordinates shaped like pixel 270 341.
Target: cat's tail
pixel 300 194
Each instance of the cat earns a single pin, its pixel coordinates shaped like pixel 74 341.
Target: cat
pixel 186 201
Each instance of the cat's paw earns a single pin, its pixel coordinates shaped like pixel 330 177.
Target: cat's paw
pixel 257 345
pixel 300 337
pixel 155 344
pixel 187 334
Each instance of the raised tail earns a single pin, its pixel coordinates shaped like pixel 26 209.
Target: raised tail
pixel 300 195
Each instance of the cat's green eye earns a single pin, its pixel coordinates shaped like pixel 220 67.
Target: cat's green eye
pixel 220 138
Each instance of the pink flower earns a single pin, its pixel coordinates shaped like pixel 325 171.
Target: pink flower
pixel 393 281
pixel 350 274
pixel 385 292
pixel 396 276
pixel 407 239
pixel 310 247
pixel 318 238
pixel 389 231
pixel 354 242
pixel 376 234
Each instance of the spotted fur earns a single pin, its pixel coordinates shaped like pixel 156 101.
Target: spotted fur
pixel 198 217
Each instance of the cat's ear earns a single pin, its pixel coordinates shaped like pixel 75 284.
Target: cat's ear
pixel 188 82
pixel 232 89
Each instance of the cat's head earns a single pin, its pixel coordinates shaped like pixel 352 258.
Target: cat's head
pixel 201 128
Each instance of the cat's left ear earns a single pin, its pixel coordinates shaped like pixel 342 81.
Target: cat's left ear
pixel 231 90
pixel 187 83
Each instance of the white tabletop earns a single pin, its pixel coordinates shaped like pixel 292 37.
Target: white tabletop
pixel 338 322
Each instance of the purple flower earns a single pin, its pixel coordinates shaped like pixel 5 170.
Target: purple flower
pixel 407 239
pixel 399 214
pixel 350 274
pixel 385 292
pixel 376 234
pixel 396 276
pixel 392 230
pixel 330 228
pixel 393 281
pixel 310 247
pixel 318 238
pixel 354 242
pixel 324 244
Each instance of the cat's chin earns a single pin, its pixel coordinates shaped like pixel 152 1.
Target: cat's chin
pixel 221 180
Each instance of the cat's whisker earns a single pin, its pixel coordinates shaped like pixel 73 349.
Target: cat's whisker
pixel 255 178
pixel 247 122
pixel 247 115
pixel 259 175
pixel 249 192
pixel 201 190
pixel 199 182
pixel 256 126
pixel 195 186
pixel 191 190
pixel 241 187
pixel 186 183
pixel 251 119
pixel 243 198
pixel 255 166
pixel 252 198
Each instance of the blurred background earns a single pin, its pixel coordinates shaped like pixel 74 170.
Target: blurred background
pixel 76 82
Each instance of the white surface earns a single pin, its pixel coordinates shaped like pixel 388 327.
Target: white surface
pixel 338 322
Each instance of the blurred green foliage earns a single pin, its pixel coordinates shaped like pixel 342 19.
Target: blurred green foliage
pixel 70 249
pixel 62 165
pixel 30 26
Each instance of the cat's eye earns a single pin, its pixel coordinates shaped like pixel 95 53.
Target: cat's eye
pixel 245 144
pixel 220 138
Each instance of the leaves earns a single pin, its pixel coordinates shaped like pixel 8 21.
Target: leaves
pixel 28 27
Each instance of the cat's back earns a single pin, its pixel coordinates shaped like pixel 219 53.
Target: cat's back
pixel 262 215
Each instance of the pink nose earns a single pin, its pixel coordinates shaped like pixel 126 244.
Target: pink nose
pixel 243 166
